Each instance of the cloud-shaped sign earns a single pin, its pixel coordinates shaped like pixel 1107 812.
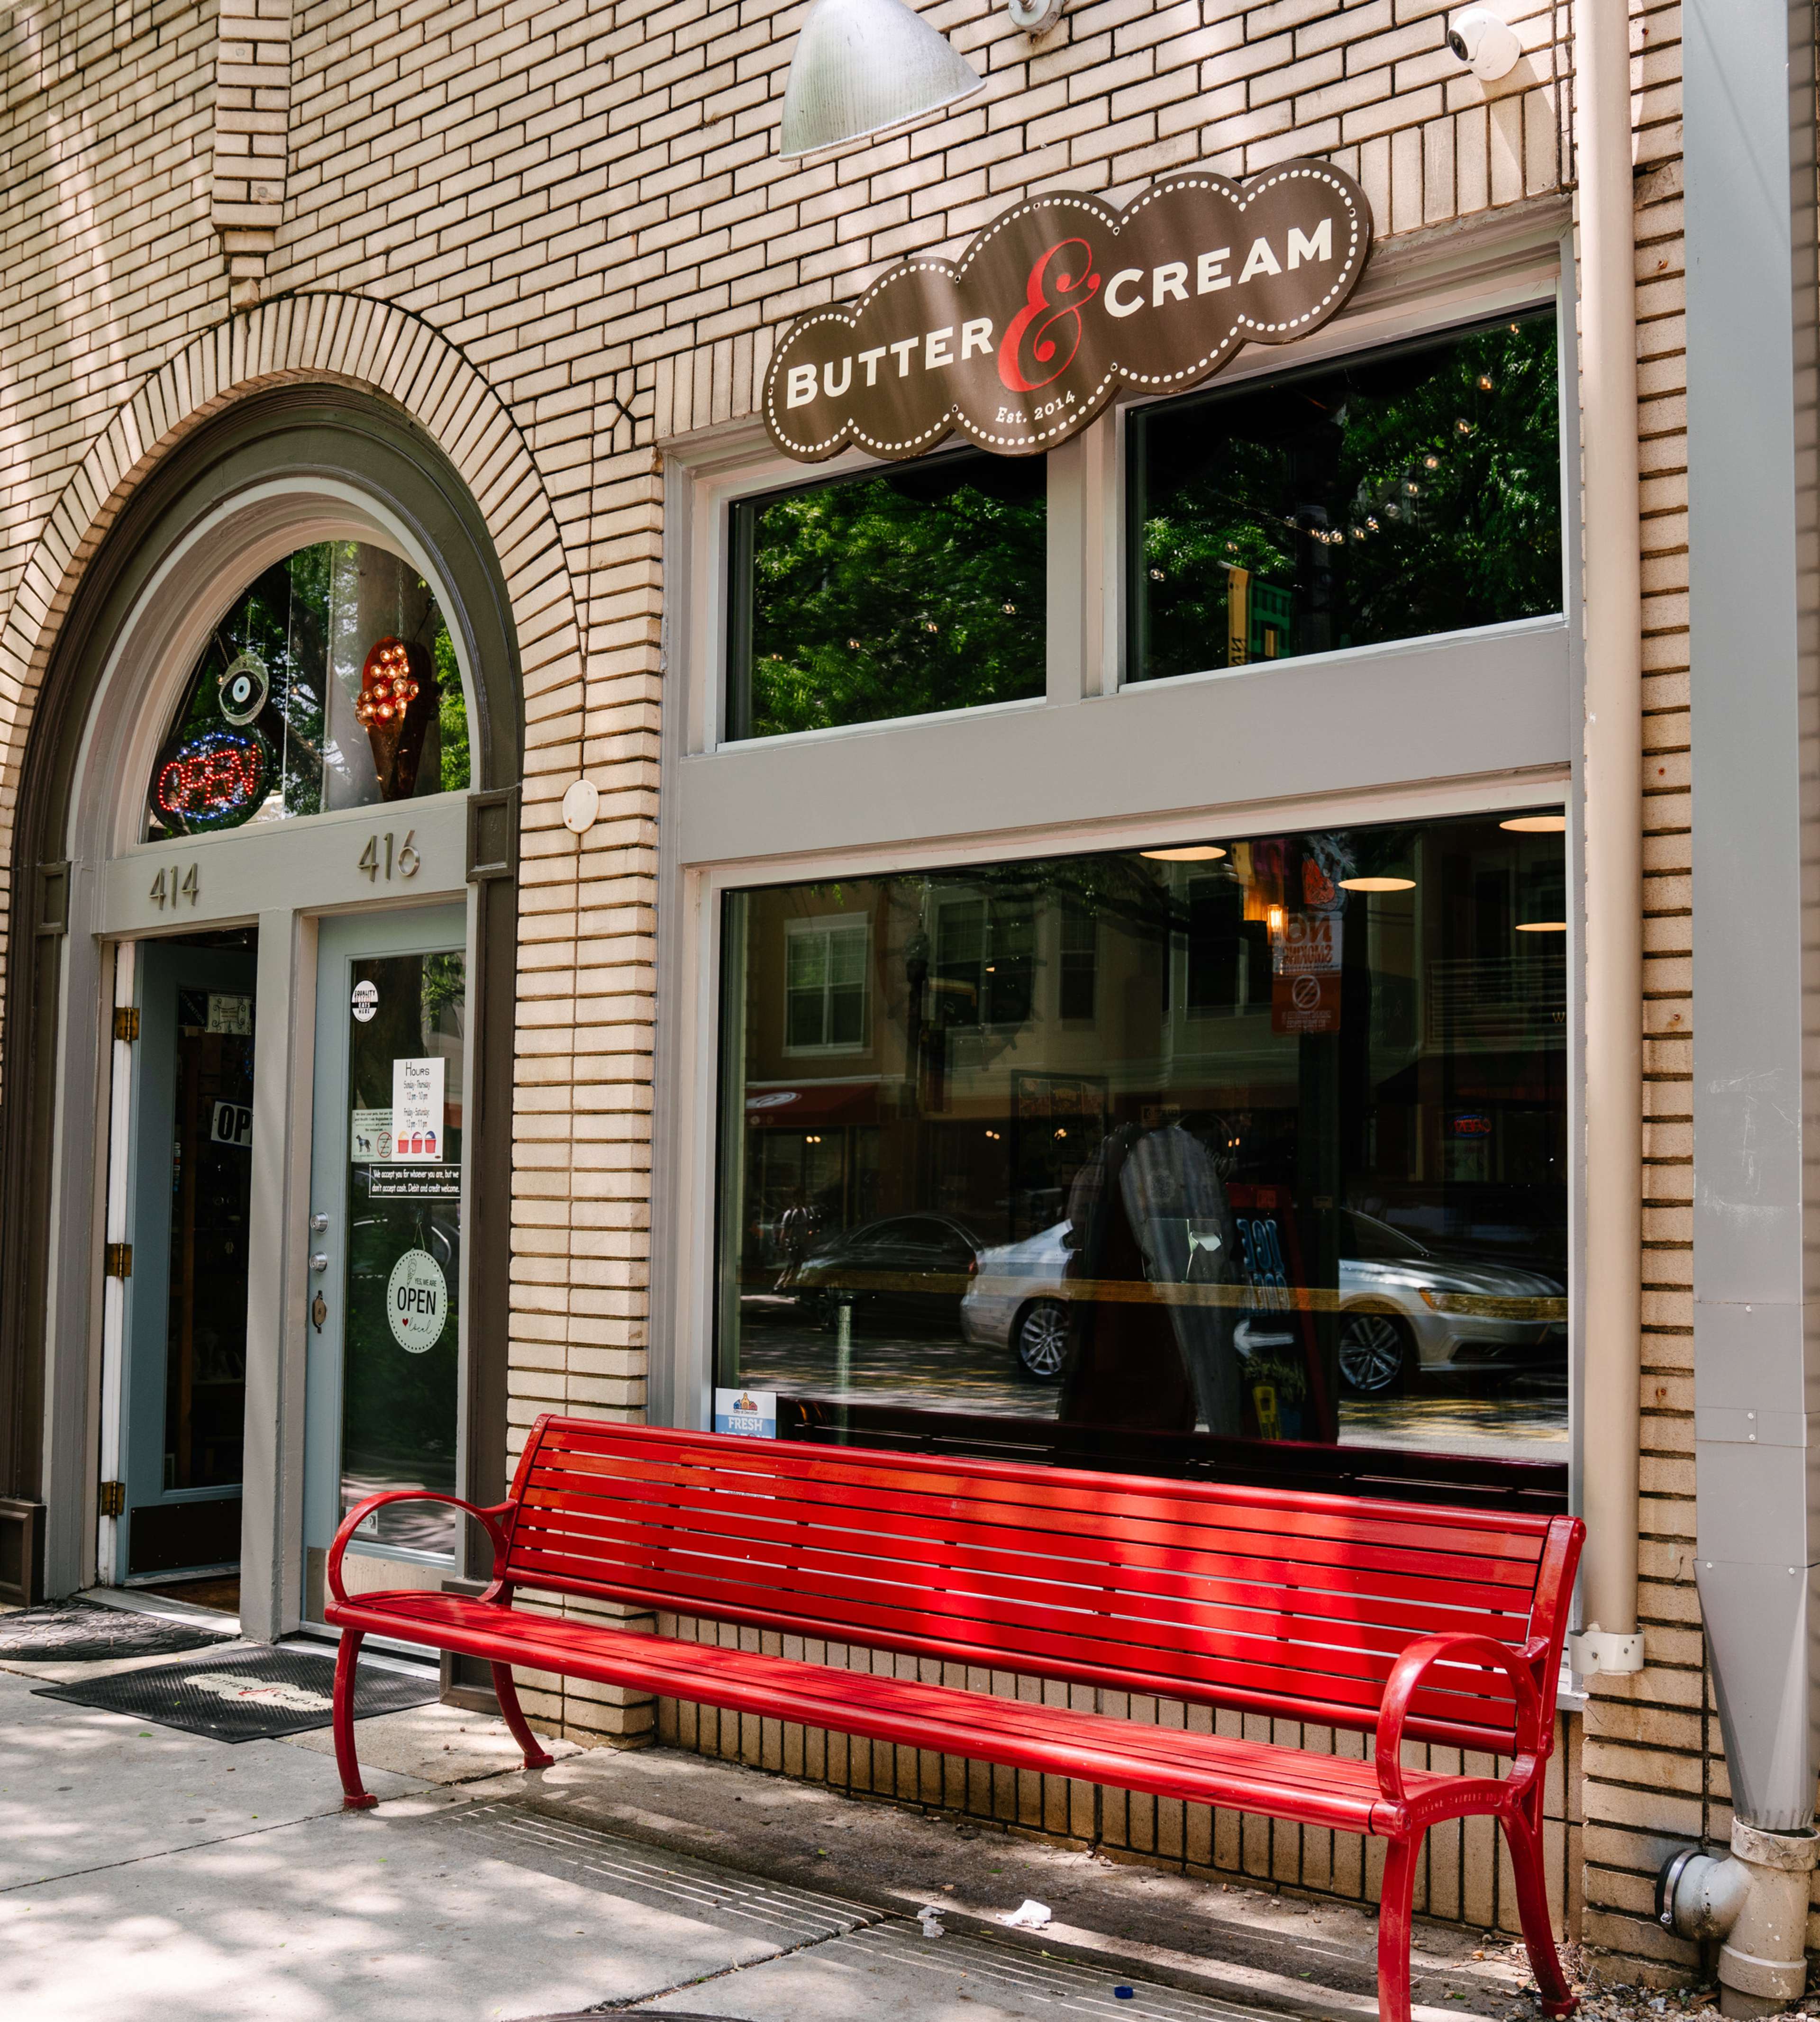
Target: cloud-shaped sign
pixel 1062 300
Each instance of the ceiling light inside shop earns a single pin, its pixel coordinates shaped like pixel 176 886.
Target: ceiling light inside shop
pixel 1191 853
pixel 862 67
pixel 1377 884
pixel 1541 926
pixel 1535 824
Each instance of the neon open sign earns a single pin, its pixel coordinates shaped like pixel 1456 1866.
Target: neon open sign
pixel 214 781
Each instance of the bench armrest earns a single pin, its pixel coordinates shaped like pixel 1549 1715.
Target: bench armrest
pixel 496 1520
pixel 1414 1665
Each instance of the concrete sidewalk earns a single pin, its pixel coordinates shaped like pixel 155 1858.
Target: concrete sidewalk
pixel 144 1872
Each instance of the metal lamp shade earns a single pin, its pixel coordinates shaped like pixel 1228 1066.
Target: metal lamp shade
pixel 862 66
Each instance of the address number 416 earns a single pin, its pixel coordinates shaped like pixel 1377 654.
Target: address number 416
pixel 379 858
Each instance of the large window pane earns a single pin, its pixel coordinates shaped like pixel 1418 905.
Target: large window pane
pixel 1258 1141
pixel 1402 493
pixel 921 588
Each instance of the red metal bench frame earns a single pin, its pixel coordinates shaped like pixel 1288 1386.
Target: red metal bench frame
pixel 1406 1621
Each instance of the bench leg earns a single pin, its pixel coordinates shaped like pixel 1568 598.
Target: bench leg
pixel 1523 1833
pixel 536 1756
pixel 1396 1908
pixel 355 1797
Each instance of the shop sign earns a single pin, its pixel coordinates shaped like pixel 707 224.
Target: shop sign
pixel 417 1094
pixel 1061 301
pixel 214 781
pixel 750 1414
pixel 414 1182
pixel 231 1015
pixel 232 1124
pixel 1304 989
pixel 417 1301
pixel 369 1136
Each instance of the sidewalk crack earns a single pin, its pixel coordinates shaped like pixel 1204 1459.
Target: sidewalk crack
pixel 638 2001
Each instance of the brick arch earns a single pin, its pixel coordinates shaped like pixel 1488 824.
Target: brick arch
pixel 327 338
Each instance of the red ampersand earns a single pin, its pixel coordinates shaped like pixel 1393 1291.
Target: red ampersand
pixel 1046 331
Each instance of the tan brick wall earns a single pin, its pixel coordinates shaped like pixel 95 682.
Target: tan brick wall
pixel 560 235
pixel 1652 1775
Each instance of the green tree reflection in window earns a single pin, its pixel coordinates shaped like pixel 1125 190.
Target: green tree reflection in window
pixel 919 589
pixel 1397 494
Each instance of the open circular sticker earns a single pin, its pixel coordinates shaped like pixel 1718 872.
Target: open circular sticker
pixel 417 1301
pixel 366 1001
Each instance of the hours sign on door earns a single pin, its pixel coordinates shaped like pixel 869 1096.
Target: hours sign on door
pixel 417 1107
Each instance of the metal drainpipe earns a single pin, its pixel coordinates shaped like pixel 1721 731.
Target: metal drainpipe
pixel 1749 132
pixel 1610 1408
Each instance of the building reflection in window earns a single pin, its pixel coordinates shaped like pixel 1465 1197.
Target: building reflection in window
pixel 1253 1140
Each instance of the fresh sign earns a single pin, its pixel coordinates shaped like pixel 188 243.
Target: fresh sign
pixel 1061 301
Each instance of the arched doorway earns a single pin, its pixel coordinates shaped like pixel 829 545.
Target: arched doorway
pixel 222 836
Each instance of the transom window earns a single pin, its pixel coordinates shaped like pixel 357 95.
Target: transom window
pixel 918 590
pixel 330 682
pixel 1404 492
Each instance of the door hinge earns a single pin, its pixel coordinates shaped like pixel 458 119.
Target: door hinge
pixel 119 1259
pixel 126 1022
pixel 113 1499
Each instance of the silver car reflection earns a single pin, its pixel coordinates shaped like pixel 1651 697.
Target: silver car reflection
pixel 1403 1309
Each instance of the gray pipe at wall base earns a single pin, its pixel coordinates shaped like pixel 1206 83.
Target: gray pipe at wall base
pixel 1753 588
pixel 1614 845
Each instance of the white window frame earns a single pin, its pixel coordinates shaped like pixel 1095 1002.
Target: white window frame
pixel 828 925
pixel 1471 722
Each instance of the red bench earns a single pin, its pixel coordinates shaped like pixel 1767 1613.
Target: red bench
pixel 1411 1623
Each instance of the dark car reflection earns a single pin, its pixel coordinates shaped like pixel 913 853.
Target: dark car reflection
pixel 905 1270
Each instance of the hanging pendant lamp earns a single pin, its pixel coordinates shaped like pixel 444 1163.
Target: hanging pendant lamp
pixel 864 66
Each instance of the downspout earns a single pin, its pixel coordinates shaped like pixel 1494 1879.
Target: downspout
pixel 1753 586
pixel 1611 505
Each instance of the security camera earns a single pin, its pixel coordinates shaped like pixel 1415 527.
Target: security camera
pixel 1487 47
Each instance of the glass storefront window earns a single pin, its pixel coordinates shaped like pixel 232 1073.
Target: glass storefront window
pixel 1258 1139
pixel 331 682
pixel 920 588
pixel 1399 494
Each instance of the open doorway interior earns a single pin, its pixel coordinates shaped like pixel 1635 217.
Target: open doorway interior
pixel 188 1196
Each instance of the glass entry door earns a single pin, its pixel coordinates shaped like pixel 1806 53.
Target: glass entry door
pixel 386 1242
pixel 190 1184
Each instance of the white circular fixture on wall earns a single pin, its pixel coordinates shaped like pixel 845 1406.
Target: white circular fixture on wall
pixel 1487 45
pixel 580 805
pixel 1035 17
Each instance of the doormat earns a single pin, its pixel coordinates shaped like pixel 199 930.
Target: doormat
pixel 76 1632
pixel 248 1691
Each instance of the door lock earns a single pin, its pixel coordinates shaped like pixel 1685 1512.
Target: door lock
pixel 319 1260
pixel 318 1223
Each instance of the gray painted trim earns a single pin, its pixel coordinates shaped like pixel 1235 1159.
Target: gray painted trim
pixel 1748 139
pixel 1435 709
